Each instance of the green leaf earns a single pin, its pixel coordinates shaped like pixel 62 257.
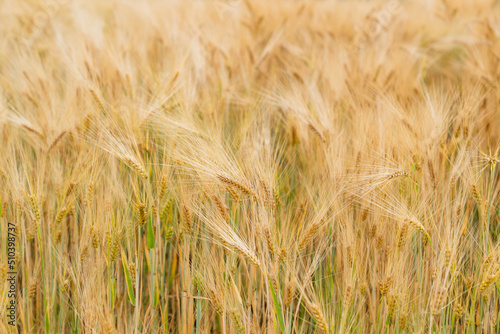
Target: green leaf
pixel 128 280
pixel 277 308
pixel 150 238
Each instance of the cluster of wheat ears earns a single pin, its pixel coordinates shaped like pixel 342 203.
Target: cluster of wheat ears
pixel 251 166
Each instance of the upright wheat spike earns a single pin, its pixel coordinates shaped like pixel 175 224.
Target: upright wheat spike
pixel 268 196
pixel 363 288
pixel 347 296
pixel 385 285
pixel 350 258
pixel 166 209
pixel 447 256
pixel 133 273
pixel 34 206
pixel 90 192
pixel 277 197
pixel 269 240
pixel 65 285
pixel 94 237
pixel 188 219
pixel 458 310
pixel 169 232
pixel 282 255
pixel 3 271
pixel 32 288
pixel 476 194
pixel 289 292
pixel 163 186
pixel 402 234
pixel 141 216
pixel 84 253
pixel 114 245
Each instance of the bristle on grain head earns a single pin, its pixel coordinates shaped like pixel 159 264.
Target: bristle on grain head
pixel 141 214
pixel 250 166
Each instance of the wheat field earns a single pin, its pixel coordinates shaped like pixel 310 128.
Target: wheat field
pixel 249 166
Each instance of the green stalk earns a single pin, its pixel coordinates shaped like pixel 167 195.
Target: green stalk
pixel 150 242
pixel 45 303
pixel 111 286
pixel 380 305
pixel 198 313
pixel 128 279
pixel 492 176
pixel 290 320
pixel 138 276
pixel 277 308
